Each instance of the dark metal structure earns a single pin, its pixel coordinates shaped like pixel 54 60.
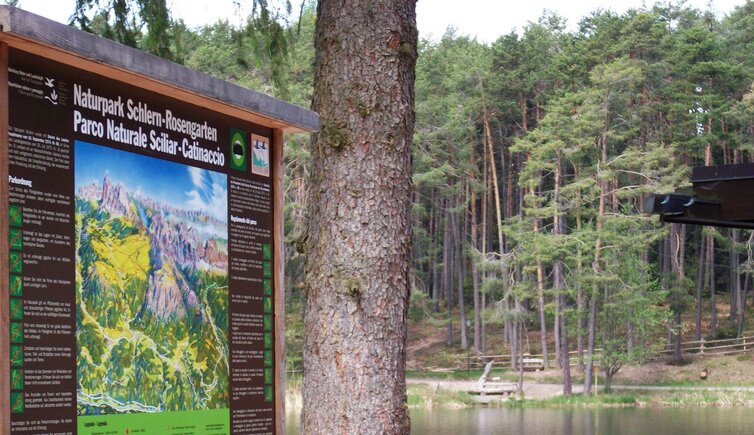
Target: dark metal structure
pixel 721 196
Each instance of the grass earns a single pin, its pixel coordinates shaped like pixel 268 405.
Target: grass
pixel 427 396
pixel 664 399
pixel 577 401
pixel 418 396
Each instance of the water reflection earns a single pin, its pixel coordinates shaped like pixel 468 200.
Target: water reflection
pixel 611 421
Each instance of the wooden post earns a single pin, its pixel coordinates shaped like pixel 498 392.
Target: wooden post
pixel 596 370
pixel 701 347
pixel 279 291
pixel 4 277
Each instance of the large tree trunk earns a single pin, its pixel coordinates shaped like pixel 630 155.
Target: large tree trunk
pixel 359 234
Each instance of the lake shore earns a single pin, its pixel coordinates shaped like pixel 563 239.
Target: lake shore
pixel 454 393
pixel 450 393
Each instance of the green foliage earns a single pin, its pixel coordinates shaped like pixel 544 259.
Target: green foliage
pixel 418 305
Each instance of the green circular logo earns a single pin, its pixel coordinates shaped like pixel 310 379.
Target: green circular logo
pixel 238 150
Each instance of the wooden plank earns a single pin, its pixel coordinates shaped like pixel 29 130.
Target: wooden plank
pixel 59 37
pixel 143 82
pixel 4 291
pixel 278 267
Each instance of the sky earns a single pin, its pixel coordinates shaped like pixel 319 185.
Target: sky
pixel 485 19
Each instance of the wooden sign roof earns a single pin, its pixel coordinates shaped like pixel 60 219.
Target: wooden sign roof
pixel 721 196
pixel 63 43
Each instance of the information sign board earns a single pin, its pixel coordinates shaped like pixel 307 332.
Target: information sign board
pixel 143 266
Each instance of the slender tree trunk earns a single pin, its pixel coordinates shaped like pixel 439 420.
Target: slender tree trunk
pixel 742 306
pixel 493 171
pixel 556 331
pixel 498 210
pixel 447 277
pixel 592 328
pixel 357 276
pixel 580 299
pixel 459 278
pixel 699 286
pixel 710 246
pixel 712 284
pixel 734 283
pixel 676 265
pixel 541 309
pixel 596 263
pixel 541 293
pixel 485 202
pixel 474 249
pixel 519 322
pixel 436 270
pixel 559 286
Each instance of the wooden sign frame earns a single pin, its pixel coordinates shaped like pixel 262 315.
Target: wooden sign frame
pixel 26 32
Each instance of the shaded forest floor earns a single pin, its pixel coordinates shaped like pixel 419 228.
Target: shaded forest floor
pixel 429 355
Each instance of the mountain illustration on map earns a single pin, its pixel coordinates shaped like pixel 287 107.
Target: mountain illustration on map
pixel 152 303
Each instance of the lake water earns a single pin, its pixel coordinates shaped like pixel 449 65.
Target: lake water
pixel 610 421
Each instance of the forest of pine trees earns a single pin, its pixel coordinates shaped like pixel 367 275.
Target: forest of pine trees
pixel 532 159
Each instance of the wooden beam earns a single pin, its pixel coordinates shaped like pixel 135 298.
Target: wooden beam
pixel 278 170
pixel 4 272
pixel 67 44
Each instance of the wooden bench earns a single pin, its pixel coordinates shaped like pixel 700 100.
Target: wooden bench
pixel 487 387
pixel 533 364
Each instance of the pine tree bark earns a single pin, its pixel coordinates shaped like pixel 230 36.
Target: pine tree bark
pixel 485 208
pixel 712 284
pixel 541 294
pixel 580 298
pixel 447 276
pixel 432 247
pixel 436 271
pixel 558 280
pixel 710 254
pixel 677 267
pixel 734 282
pixel 475 248
pixel 358 234
pixel 741 308
pixel 541 310
pixel 699 286
pixel 458 253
